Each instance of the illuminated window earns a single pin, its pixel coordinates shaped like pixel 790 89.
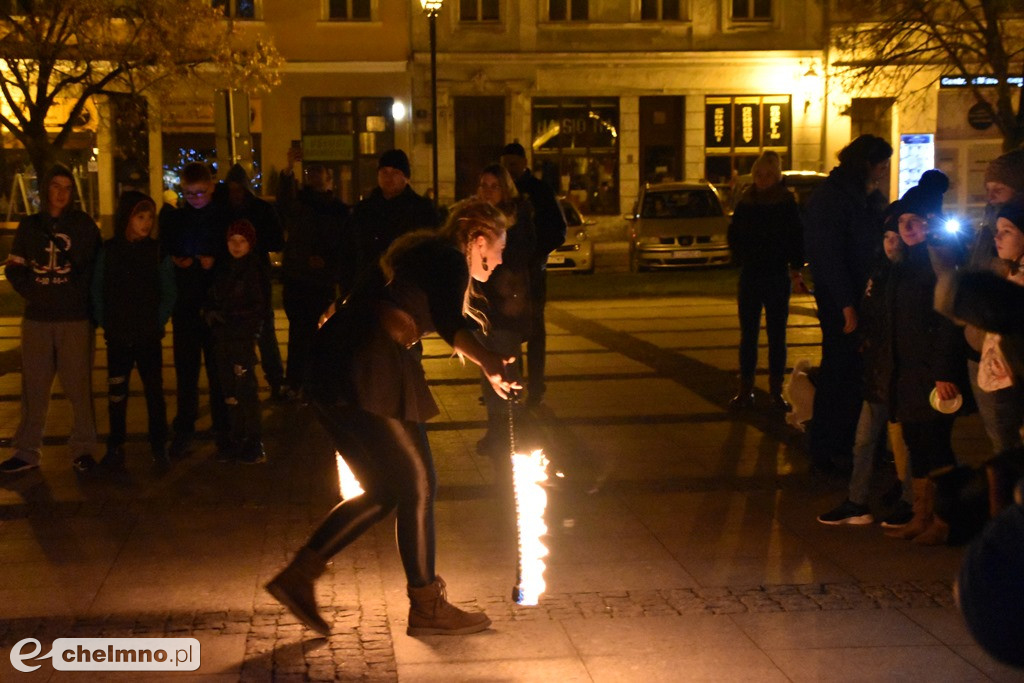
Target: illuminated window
pixel 653 10
pixel 237 9
pixel 576 149
pixel 568 10
pixel 349 10
pixel 751 10
pixel 478 10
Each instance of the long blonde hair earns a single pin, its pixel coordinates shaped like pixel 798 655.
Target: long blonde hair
pixel 469 219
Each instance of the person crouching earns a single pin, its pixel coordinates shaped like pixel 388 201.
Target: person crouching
pixel 234 310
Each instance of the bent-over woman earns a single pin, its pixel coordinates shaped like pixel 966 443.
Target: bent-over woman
pixel 370 393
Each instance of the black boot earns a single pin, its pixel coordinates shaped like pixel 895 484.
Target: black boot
pixel 775 398
pixel 744 397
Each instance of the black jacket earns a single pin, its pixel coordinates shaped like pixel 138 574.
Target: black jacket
pixel 191 233
pixel 547 216
pixel 269 236
pixel 507 292
pixel 874 325
pixel 927 346
pixel 994 304
pixel 766 234
pixel 842 228
pixel 235 305
pixel 51 264
pixel 317 226
pixel 377 222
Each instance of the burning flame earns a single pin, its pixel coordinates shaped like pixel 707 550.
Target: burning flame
pixel 529 472
pixel 347 482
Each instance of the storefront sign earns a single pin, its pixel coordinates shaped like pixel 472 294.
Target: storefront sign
pixel 327 148
pixel 747 123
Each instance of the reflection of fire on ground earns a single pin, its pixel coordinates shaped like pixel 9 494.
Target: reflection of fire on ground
pixel 347 482
pixel 529 472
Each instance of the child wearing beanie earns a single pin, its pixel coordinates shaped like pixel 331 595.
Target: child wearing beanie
pixel 234 310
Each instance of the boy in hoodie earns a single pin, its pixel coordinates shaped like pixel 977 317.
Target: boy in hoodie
pixel 50 265
pixel 133 294
pixel 235 311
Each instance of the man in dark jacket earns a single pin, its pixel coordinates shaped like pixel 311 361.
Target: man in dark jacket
pixel 391 210
pixel 550 228
pixel 194 237
pixel 51 265
pixel 843 222
pixel 318 254
pixel 241 203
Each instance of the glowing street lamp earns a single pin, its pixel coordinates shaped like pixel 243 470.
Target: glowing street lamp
pixel 431 8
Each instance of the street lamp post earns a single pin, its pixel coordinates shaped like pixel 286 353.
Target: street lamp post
pixel 431 8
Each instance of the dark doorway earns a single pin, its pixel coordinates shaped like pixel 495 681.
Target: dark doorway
pixel 479 137
pixel 661 138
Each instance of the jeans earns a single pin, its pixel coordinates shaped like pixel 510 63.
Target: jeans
pixel 1002 412
pixel 768 290
pixel 121 358
pixel 193 344
pixel 874 418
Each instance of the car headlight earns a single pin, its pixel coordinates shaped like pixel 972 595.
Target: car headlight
pixel 646 240
pixel 581 235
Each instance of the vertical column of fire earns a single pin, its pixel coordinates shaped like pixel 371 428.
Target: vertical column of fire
pixel 529 472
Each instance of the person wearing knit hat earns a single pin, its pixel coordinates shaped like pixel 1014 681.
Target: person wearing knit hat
pixel 392 209
pixel 234 310
pixel 925 198
pixel 395 159
pixel 1005 174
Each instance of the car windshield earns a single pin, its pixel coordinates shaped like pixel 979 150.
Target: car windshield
pixel 572 216
pixel 681 204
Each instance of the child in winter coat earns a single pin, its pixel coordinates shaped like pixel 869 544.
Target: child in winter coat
pixel 133 294
pixel 235 310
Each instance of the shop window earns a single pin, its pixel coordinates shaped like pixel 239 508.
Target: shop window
pixel 568 10
pixel 349 10
pixel 237 9
pixel 181 148
pixel 479 10
pixel 738 128
pixel 347 135
pixel 751 10
pixel 665 10
pixel 576 149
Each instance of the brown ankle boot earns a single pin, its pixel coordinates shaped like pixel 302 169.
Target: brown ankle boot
pixel 293 588
pixel 430 613
pixel 923 505
pixel 937 533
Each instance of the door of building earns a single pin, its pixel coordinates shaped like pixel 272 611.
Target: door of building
pixel 873 116
pixel 479 137
pixel 661 138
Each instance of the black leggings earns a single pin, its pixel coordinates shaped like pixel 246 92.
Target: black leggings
pixel 930 445
pixel 392 461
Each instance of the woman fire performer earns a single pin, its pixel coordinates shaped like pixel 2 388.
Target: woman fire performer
pixel 370 393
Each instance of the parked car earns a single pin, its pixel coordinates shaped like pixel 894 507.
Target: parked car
pixel 678 224
pixel 576 255
pixel 800 183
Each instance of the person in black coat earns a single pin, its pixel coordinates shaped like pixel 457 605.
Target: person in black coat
pixel 240 202
pixel 928 357
pixel 550 226
pixel 391 210
pixel 133 294
pixel 766 239
pixel 842 222
pixel 319 254
pixel 235 310
pixel 507 295
pixel 370 393
pixel 194 237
